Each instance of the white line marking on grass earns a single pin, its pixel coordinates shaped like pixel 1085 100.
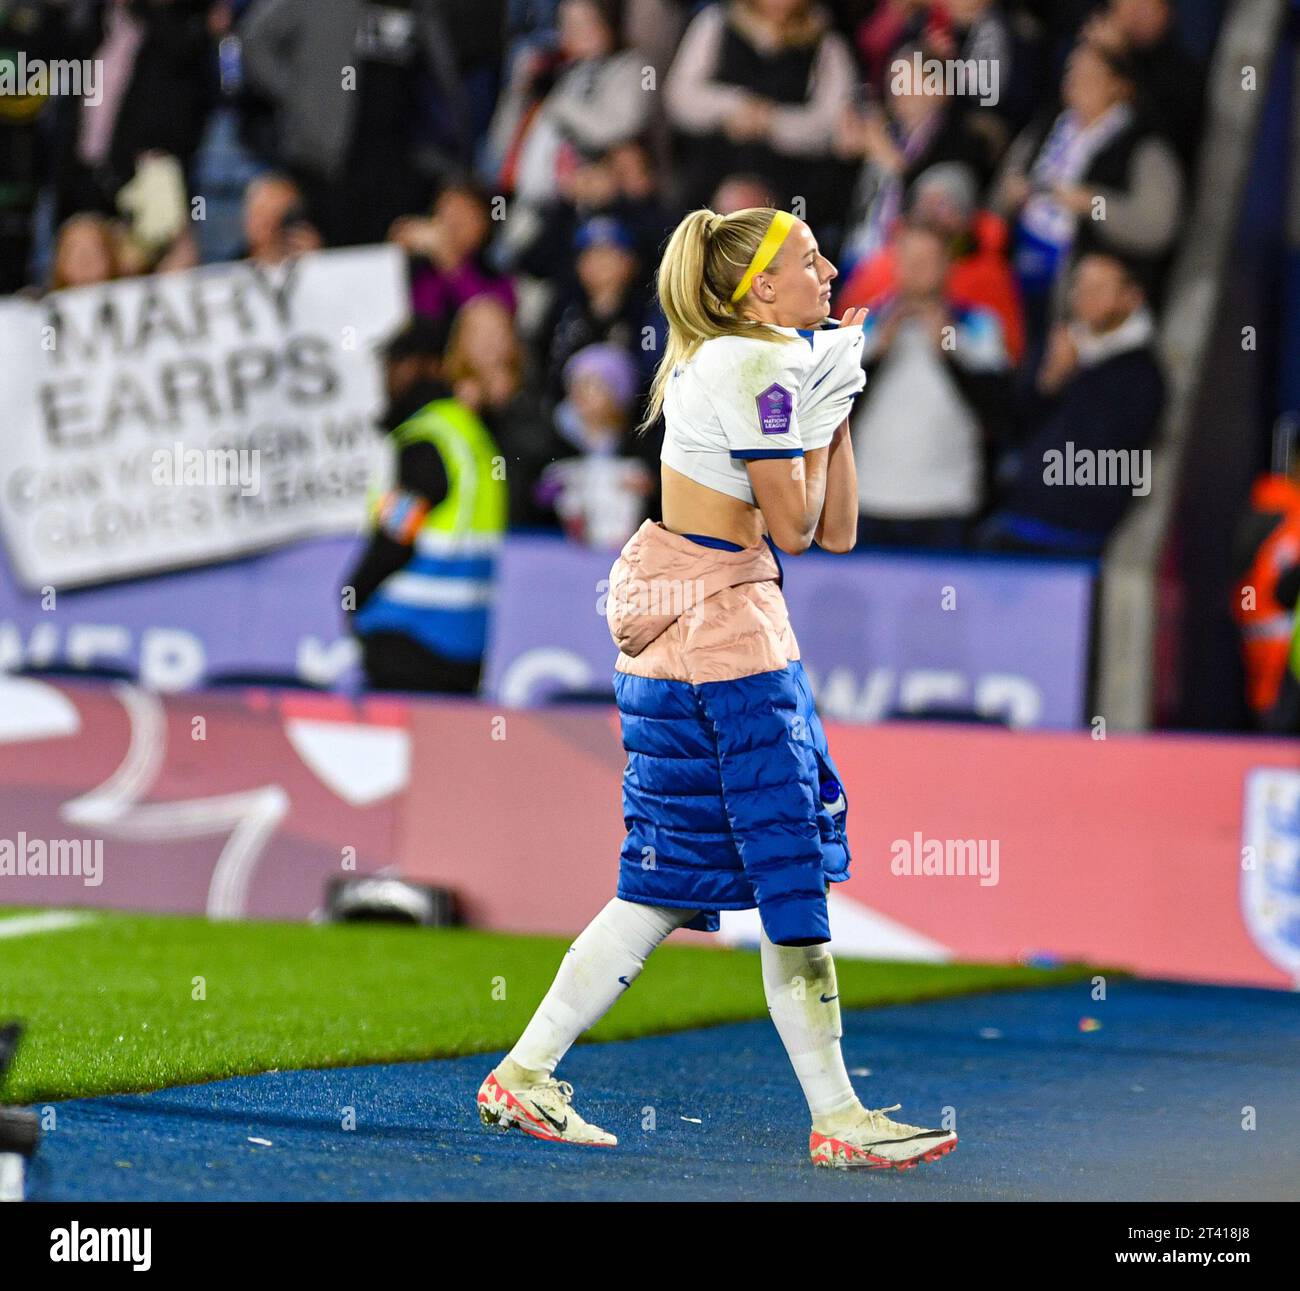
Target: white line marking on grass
pixel 23 925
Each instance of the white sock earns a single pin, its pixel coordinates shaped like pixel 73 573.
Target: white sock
pixel 803 999
pixel 601 964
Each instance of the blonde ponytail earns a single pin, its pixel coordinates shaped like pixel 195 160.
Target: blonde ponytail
pixel 702 266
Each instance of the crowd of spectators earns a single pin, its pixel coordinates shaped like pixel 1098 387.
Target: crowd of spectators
pixel 1011 235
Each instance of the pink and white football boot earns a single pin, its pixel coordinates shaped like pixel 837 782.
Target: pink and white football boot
pixel 869 1140
pixel 544 1110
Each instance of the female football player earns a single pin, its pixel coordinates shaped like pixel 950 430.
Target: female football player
pixel 730 795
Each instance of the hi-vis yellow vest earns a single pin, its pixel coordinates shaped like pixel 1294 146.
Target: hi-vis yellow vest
pixel 441 597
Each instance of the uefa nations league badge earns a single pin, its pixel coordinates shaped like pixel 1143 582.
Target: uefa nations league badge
pixel 775 406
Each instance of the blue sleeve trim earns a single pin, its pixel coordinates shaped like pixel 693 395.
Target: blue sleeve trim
pixel 750 454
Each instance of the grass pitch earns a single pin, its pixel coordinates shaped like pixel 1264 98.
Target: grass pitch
pixel 125 1003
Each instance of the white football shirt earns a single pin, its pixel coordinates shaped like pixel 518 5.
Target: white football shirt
pixel 739 399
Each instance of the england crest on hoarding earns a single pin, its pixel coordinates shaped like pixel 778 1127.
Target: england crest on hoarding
pixel 1270 865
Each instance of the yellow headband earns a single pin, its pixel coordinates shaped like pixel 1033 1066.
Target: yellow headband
pixel 781 225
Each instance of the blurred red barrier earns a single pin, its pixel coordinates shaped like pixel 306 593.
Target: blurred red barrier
pixel 1126 851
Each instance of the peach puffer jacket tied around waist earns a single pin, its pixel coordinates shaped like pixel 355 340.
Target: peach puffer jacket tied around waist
pixel 730 796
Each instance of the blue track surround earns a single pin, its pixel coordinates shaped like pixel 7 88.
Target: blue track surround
pixel 1147 1107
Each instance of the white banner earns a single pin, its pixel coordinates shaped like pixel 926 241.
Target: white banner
pixel 188 418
